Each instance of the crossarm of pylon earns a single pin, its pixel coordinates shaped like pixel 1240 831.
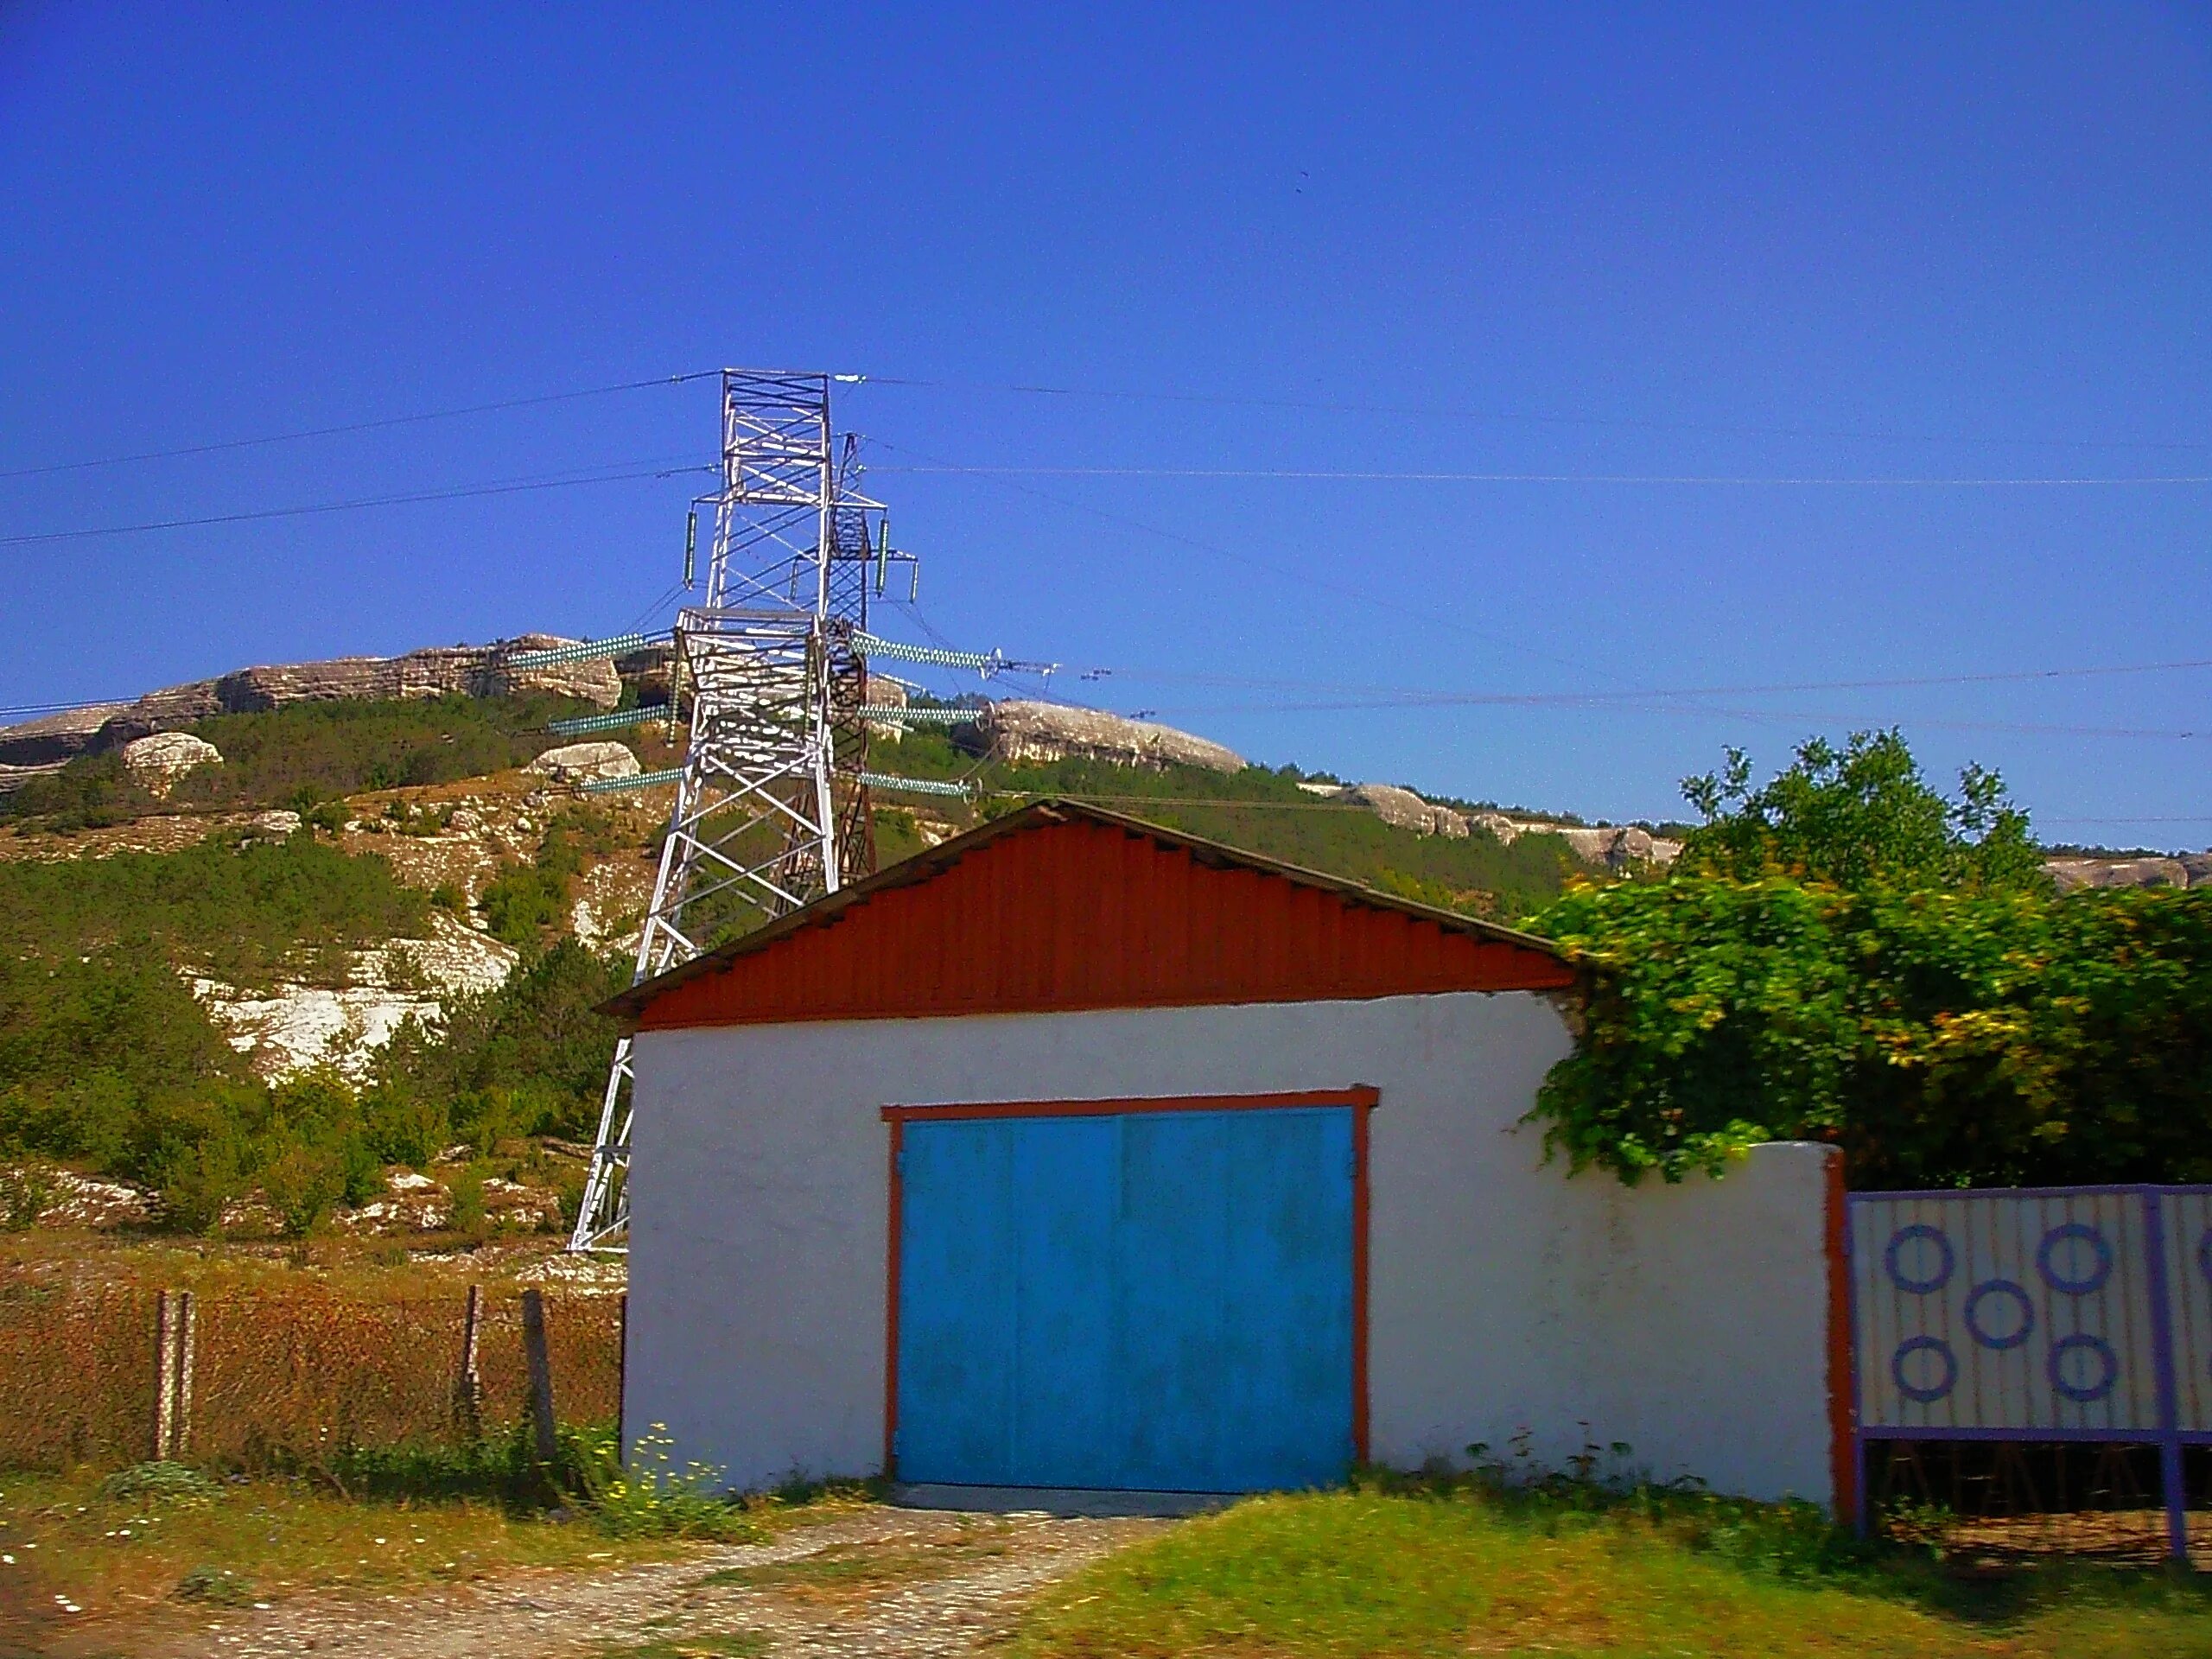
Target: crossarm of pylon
pixel 869 646
pixel 641 780
pixel 912 785
pixel 892 715
pixel 613 721
pixel 584 651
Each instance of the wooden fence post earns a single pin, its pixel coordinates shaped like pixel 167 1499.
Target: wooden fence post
pixel 541 1373
pixel 187 1343
pixel 468 1384
pixel 174 1329
pixel 165 1345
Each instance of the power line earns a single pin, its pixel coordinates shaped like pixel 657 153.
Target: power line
pixel 1424 697
pixel 1343 589
pixel 511 486
pixel 1226 400
pixel 360 426
pixel 63 707
pixel 1701 711
pixel 1351 475
pixel 2201 817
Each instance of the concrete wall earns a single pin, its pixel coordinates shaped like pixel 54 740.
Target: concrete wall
pixel 1688 1321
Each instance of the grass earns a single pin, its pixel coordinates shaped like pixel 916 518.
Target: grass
pixel 124 1546
pixel 731 1645
pixel 1401 1568
pixel 117 1553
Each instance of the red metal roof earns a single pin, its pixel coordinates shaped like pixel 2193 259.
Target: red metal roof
pixel 1063 906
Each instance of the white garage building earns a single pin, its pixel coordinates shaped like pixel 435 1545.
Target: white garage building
pixel 1077 1153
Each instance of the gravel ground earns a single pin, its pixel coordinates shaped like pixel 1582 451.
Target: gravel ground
pixel 913 1583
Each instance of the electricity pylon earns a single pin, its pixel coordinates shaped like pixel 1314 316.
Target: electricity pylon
pixel 771 807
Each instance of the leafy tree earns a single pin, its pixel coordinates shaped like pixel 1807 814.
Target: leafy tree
pixel 1923 1000
pixel 529 1057
pixel 1856 816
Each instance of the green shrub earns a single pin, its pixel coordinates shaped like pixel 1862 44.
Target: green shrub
pixel 467 1187
pixel 403 1127
pixel 241 911
pixel 528 1058
pixel 28 1188
pixel 651 1498
pixel 1908 989
pixel 162 1482
pixel 523 903
pixel 218 1587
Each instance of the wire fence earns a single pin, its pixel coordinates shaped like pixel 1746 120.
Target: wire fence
pixel 284 1379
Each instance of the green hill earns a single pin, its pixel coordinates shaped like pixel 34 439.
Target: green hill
pixel 109 1063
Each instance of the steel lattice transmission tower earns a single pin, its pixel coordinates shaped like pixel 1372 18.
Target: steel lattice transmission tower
pixel 771 807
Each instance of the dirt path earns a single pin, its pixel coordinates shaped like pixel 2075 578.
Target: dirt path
pixel 881 1581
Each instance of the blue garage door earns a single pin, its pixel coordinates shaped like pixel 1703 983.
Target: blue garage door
pixel 1155 1301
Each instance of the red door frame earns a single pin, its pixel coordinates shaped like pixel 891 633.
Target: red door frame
pixel 1361 1097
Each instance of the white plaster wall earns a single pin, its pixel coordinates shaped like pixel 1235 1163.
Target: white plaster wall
pixel 1688 1321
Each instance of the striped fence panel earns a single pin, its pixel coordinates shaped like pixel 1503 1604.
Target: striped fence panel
pixel 2036 1314
pixel 2189 1250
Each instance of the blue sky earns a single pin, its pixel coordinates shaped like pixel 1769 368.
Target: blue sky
pixel 1758 244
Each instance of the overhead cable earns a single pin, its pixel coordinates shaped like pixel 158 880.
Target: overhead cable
pixel 461 493
pixel 1417 696
pixel 1430 412
pixel 361 426
pixel 1734 480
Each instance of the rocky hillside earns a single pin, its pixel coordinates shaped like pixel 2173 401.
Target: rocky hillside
pixel 321 944
pixel 42 746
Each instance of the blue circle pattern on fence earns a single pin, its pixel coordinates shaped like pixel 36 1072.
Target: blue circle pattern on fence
pixel 2023 1320
pixel 1945 1260
pixel 2107 1364
pixel 2066 1233
pixel 1935 1391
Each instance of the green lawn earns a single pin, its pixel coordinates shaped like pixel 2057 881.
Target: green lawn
pixel 1457 1569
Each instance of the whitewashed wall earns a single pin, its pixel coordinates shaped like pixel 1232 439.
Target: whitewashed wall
pixel 1688 1321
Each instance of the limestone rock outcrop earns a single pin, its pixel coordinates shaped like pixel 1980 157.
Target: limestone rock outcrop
pixel 158 761
pixel 2073 873
pixel 884 693
pixel 577 763
pixel 1019 730
pixel 1618 847
pixel 1407 810
pixel 53 739
pixel 438 670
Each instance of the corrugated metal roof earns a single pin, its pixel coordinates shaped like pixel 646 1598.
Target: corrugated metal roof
pixel 1063 905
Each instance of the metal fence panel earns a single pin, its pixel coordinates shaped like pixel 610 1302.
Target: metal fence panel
pixel 2005 1311
pixel 2189 1256
pixel 2044 1314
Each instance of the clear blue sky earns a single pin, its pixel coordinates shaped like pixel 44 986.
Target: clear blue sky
pixel 1765 243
